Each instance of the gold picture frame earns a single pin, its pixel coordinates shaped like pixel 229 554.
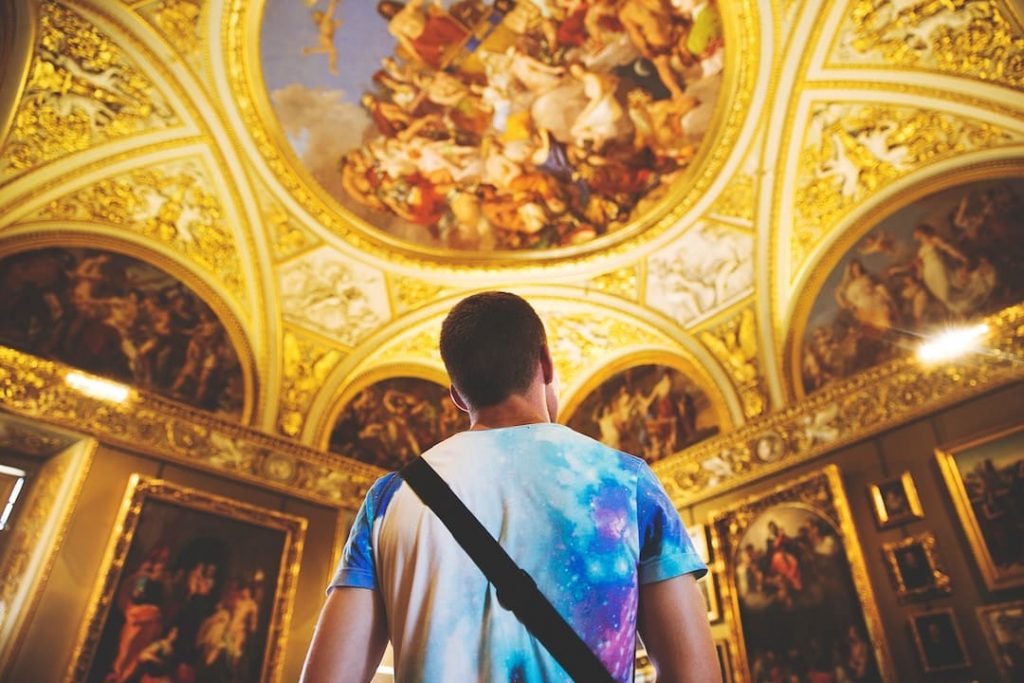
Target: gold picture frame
pixel 895 501
pixel 723 651
pixel 1003 626
pixel 199 567
pixel 709 589
pixel 984 475
pixel 698 534
pixel 758 586
pixel 940 644
pixel 915 567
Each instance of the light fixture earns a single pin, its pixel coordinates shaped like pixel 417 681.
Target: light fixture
pixel 103 389
pixel 8 505
pixel 951 343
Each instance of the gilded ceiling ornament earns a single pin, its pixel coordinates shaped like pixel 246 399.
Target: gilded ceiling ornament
pixel 580 341
pixel 35 388
pixel 170 203
pixel 419 346
pixel 708 268
pixel 287 237
pixel 623 282
pixel 852 151
pixel 971 38
pixel 342 299
pixel 846 411
pixel 737 199
pixel 81 91
pixel 178 22
pixel 411 293
pixel 307 364
pixel 734 343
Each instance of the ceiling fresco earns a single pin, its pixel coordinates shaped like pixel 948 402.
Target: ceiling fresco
pixel 330 176
pixel 498 126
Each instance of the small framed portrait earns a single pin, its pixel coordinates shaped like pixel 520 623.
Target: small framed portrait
pixel 895 501
pixel 194 587
pixel 699 538
pixel 709 589
pixel 985 477
pixel 915 567
pixel 724 660
pixel 1003 626
pixel 940 644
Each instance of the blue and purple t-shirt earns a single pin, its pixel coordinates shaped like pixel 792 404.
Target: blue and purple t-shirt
pixel 589 523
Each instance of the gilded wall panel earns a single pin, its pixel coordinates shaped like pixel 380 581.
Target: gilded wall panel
pixel 734 343
pixel 171 203
pixel 852 151
pixel 82 91
pixel 978 39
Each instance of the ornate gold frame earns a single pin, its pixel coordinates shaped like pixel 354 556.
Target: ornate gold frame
pixel 912 617
pixel 818 272
pixel 990 636
pixel 941 582
pixel 29 241
pixel 724 652
pixel 241 25
pixel 138 491
pixel 909 491
pixel 376 374
pixel 26 562
pixel 808 492
pixel 946 456
pixel 675 360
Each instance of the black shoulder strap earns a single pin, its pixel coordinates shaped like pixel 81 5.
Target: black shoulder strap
pixel 516 589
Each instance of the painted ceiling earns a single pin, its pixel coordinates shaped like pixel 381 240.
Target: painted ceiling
pixel 162 130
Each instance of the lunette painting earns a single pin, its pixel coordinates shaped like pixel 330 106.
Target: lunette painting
pixel 489 126
pixel 949 257
pixel 121 318
pixel 392 421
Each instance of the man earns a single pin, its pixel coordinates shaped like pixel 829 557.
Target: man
pixel 591 525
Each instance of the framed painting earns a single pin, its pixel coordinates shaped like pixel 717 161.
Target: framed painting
pixel 709 589
pixel 940 645
pixel 915 567
pixel 895 501
pixel 985 477
pixel 724 660
pixel 795 583
pixel 193 587
pixel 699 538
pixel 1003 626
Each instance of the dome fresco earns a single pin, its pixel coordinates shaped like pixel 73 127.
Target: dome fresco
pixel 484 127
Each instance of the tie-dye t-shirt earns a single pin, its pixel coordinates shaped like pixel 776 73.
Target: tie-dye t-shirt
pixel 589 523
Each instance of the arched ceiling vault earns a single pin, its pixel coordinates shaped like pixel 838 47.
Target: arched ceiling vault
pixel 832 111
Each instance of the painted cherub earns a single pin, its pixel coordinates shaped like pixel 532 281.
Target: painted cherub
pixel 327 26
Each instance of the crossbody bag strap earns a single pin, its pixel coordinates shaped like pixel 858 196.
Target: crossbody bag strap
pixel 515 588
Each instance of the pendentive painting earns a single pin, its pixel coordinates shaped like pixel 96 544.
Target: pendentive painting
pixel 949 257
pixel 197 590
pixel 389 423
pixel 800 593
pixel 121 318
pixel 650 411
pixel 486 125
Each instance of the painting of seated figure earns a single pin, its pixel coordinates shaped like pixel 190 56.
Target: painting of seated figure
pixel 493 126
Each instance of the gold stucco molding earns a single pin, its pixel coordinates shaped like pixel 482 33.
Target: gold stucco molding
pixel 36 388
pixel 843 413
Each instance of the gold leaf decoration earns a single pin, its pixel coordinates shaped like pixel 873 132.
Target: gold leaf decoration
pixel 854 150
pixel 737 199
pixel 81 91
pixel 307 364
pixel 170 203
pixel 970 38
pixel 622 283
pixel 287 238
pixel 734 344
pixel 178 22
pixel 411 293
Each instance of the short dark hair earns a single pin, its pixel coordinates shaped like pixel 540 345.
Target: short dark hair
pixel 491 343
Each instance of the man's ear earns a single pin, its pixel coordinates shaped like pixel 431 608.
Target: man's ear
pixel 547 366
pixel 460 402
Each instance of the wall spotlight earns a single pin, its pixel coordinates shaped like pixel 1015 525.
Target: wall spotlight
pixel 951 343
pixel 103 389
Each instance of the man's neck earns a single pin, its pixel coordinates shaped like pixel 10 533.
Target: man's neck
pixel 514 411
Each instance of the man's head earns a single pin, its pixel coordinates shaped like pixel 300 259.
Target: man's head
pixel 492 344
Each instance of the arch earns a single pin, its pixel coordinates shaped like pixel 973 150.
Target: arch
pixel 886 204
pixel 39 236
pixel 17 40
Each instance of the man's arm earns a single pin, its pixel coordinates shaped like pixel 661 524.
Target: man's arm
pixel 673 623
pixel 349 639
